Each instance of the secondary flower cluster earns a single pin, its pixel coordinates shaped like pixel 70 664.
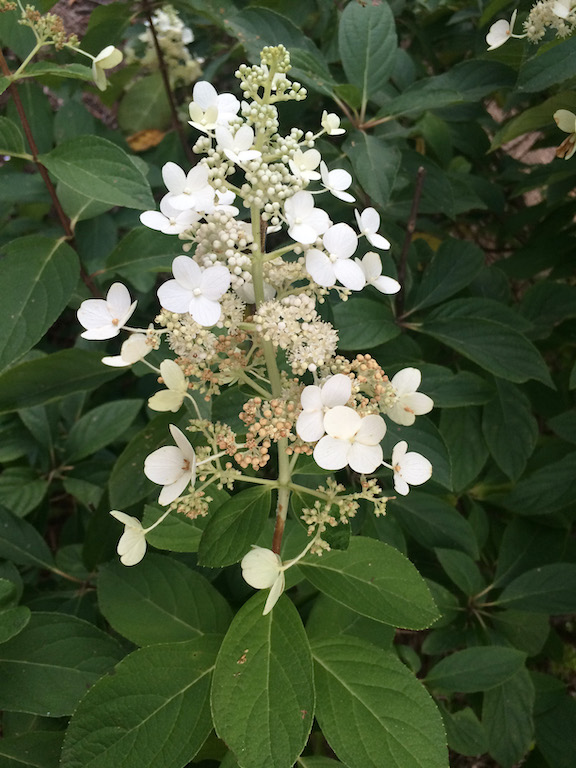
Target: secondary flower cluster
pixel 237 312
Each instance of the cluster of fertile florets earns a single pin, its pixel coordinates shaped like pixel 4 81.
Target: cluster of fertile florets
pixel 173 38
pixel 237 312
pixel 48 27
pixel 558 15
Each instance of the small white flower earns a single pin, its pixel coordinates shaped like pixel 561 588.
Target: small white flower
pixel 209 108
pixel 325 268
pixel 169 220
pixel 302 164
pixel 237 147
pixel 189 191
pixel 562 8
pixel 224 200
pixel 331 124
pixel 409 403
pixel 104 318
pixel 135 348
pixel 336 182
pixel 108 58
pixel 172 466
pixel 500 32
pixel 132 544
pixel 262 569
pixel 195 290
pixel 409 468
pixel 566 121
pixel 305 222
pixel 372 268
pixel 316 401
pixel 368 225
pixel 350 440
pixel 171 398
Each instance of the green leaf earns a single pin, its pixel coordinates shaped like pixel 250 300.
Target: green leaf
pixel 145 105
pixel 364 324
pixel 467 81
pixel 462 427
pixel 99 169
pixel 548 67
pixel 160 600
pixel 453 390
pixel 21 542
pixel 375 580
pixel 329 619
pixel 4 84
pixel 526 631
pixel 499 349
pixel 161 712
pixel 556 733
pixel 465 732
pixel 79 207
pixel 143 251
pixel 367 152
pixel 263 690
pixel 454 266
pixel 21 489
pixel 73 71
pixel 534 118
pixel 100 427
pixel 550 589
pixel 461 569
pixel 46 668
pixel 37 278
pixel 476 669
pixel 525 545
pixel 312 70
pixel 256 27
pixel 234 527
pixel 34 749
pixel 372 710
pixel 367 43
pixel 507 719
pixel 434 523
pixel 52 377
pixel 547 305
pixel 564 425
pixel 509 429
pixel 547 490
pixel 11 139
pixel 12 622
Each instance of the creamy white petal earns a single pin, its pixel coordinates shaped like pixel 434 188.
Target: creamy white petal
pixel 415 468
pixel 406 381
pixel 171 492
pixel 372 430
pixel 364 458
pixel 320 268
pixel 214 282
pixel 336 390
pixel 341 240
pixel 311 398
pixel 400 485
pixel 310 426
pixel 378 241
pixel 205 311
pixel 173 375
pixel 349 274
pixel 166 400
pixel 342 422
pixel 385 284
pixel 131 547
pixel 565 120
pixel 331 453
pixel 164 465
pixel 260 567
pixel 184 445
pixel 174 177
pixel 275 592
pixel 173 297
pixel 204 94
pixel 186 272
pixel 125 519
pixel 399 451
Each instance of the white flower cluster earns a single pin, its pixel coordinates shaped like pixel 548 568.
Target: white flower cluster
pixel 173 38
pixel 339 419
pixel 559 15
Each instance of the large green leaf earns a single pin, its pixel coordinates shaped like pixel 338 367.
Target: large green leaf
pixel 34 749
pixel 374 580
pixel 547 490
pixel 145 105
pixel 263 690
pixel 476 669
pixel 372 710
pixel 47 668
pixel 11 139
pixel 101 170
pixel 330 619
pixel 367 152
pixel 461 427
pixel 453 390
pixel 534 118
pixel 21 542
pixel 465 732
pixel 548 67
pixel 550 589
pixel 368 44
pixel 498 348
pixel 454 266
pixel 364 324
pixel 141 251
pixel 52 377
pixel 507 718
pixel 234 527
pixel 100 427
pixel 509 428
pixel 37 278
pixel 434 523
pixel 160 713
pixel 256 27
pixel 160 600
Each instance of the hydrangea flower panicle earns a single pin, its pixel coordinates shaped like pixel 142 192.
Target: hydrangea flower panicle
pixel 104 318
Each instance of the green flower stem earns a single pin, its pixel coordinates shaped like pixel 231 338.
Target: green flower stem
pixel 256 387
pixel 19 72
